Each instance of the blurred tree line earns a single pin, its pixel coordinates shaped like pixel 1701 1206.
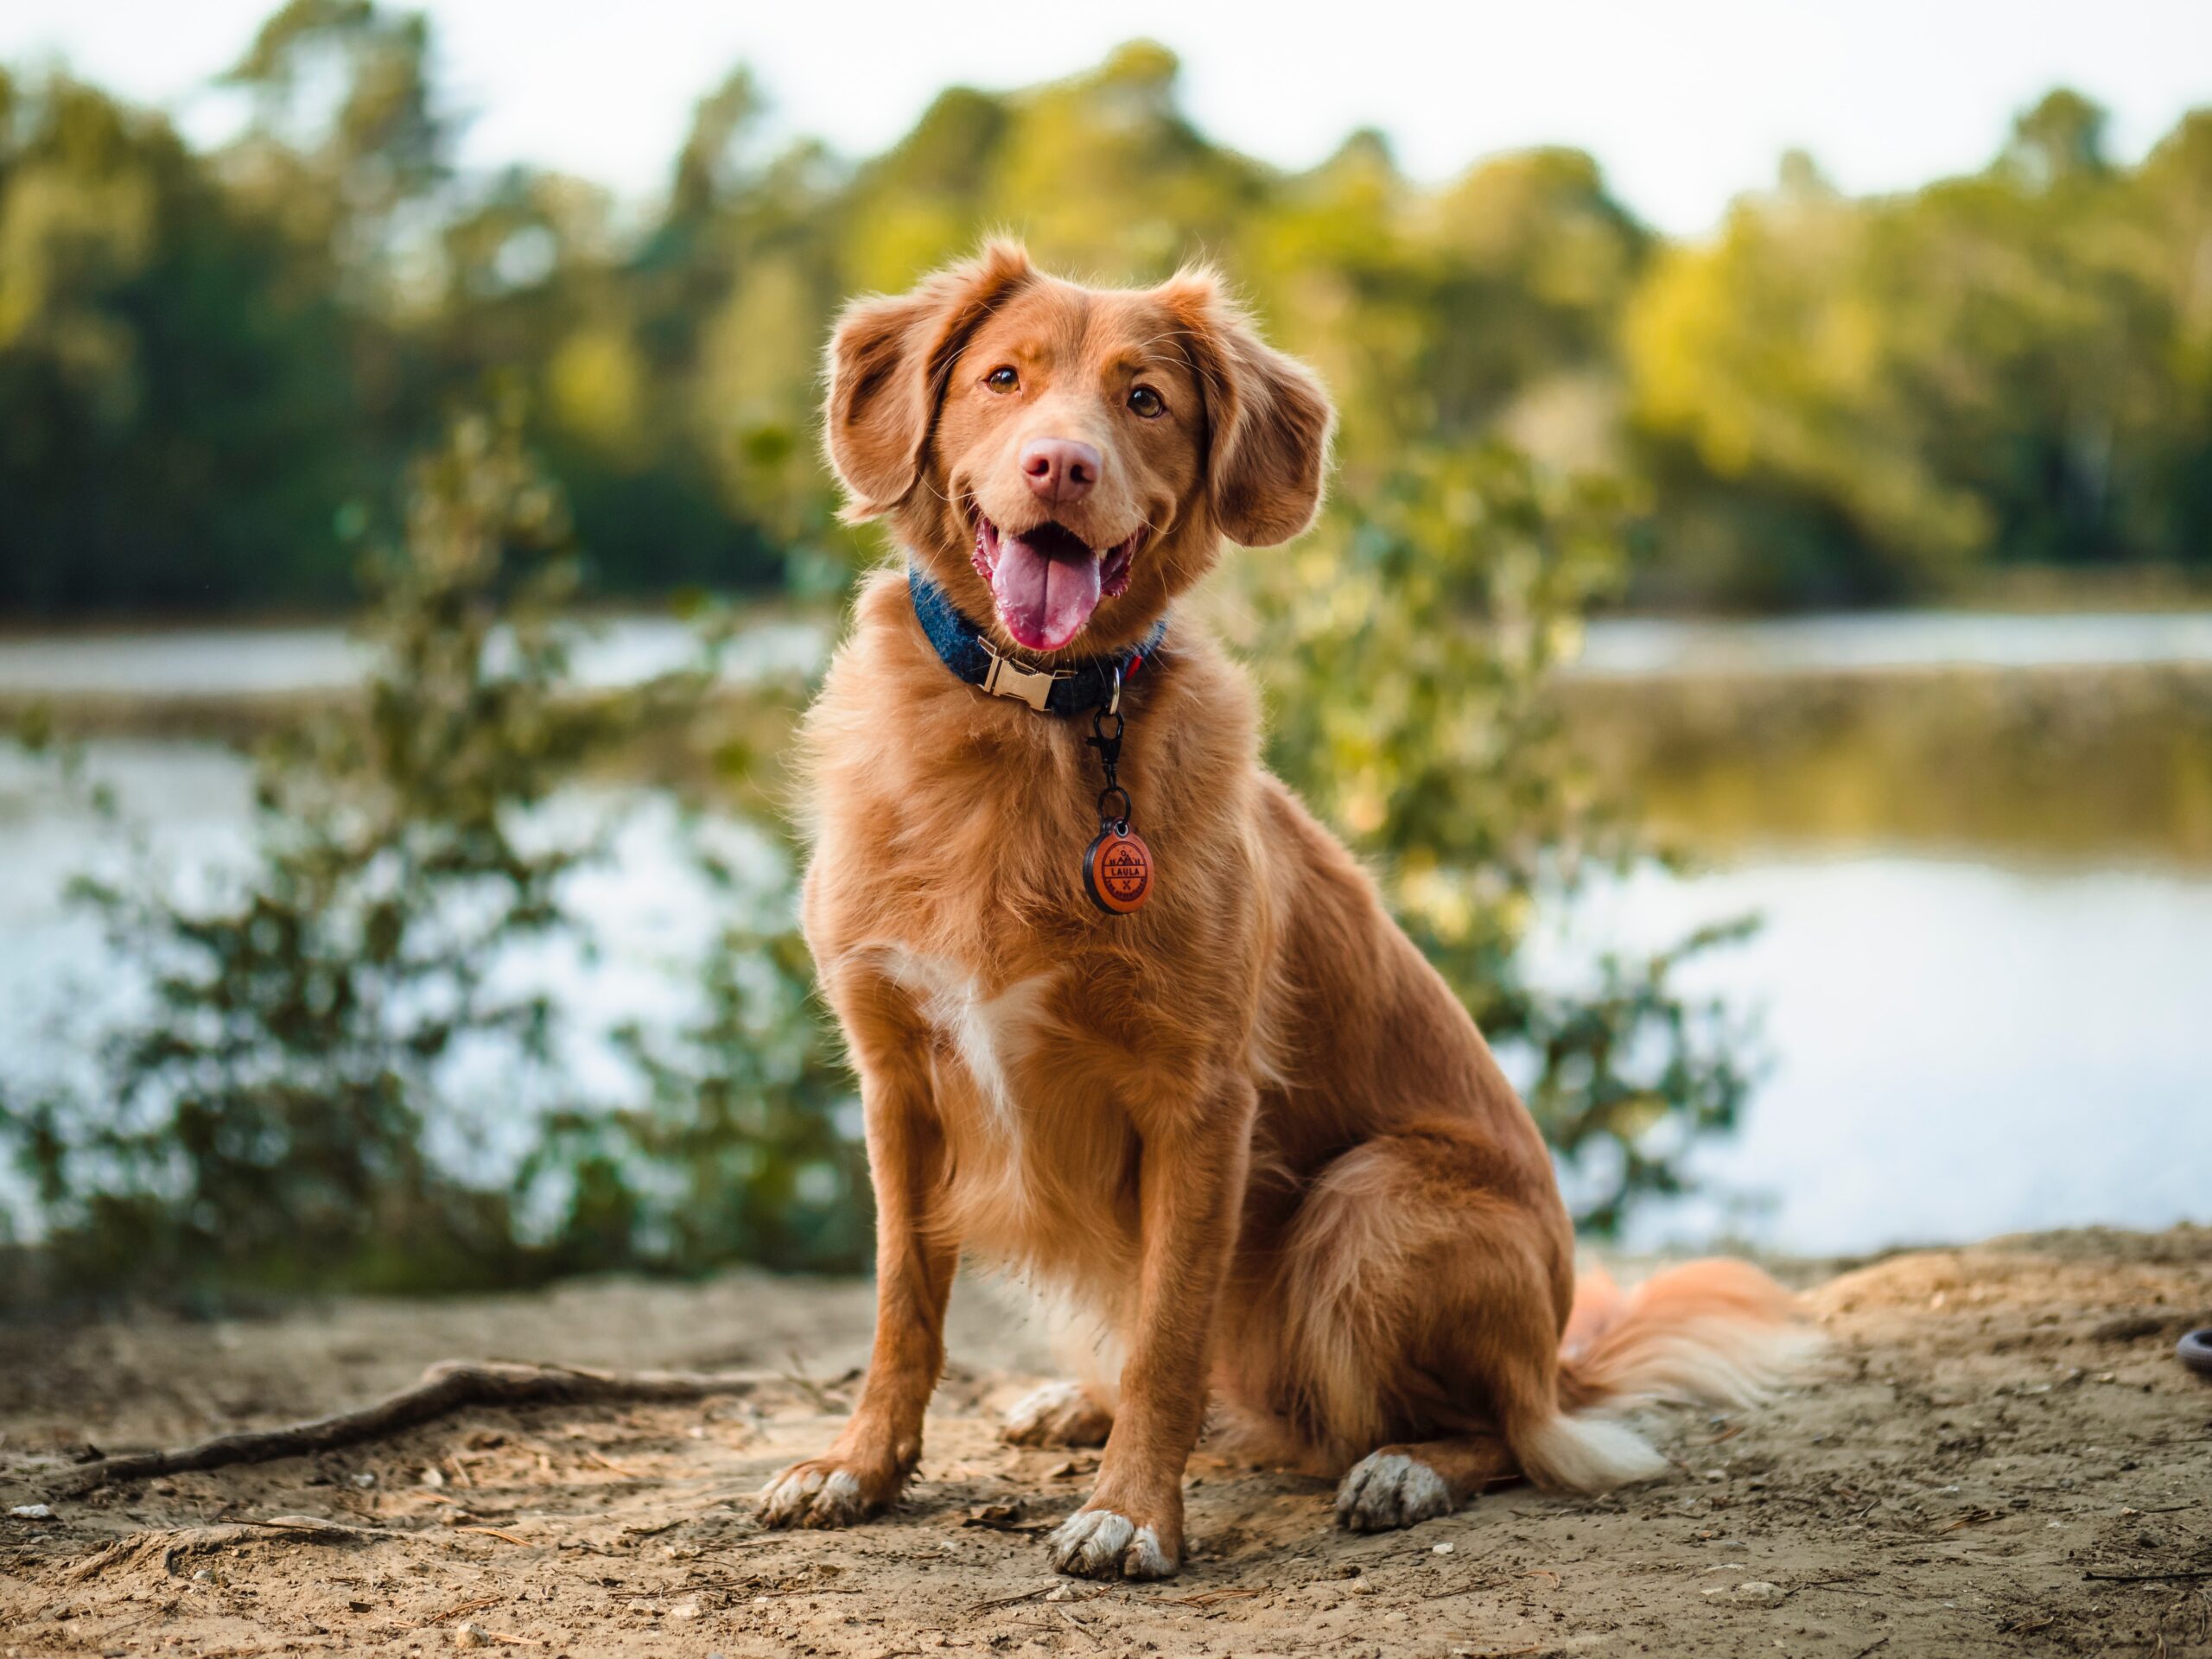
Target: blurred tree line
pixel 212 366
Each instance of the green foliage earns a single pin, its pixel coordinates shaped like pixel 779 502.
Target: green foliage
pixel 1408 649
pixel 740 1153
pixel 206 359
pixel 291 1110
pixel 1889 397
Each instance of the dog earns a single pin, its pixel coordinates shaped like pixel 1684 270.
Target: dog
pixel 1240 1126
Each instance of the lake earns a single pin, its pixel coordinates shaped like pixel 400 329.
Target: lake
pixel 1964 1035
pixel 232 662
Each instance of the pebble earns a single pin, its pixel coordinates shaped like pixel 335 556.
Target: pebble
pixel 1060 1593
pixel 33 1511
pixel 1442 1549
pixel 1758 1590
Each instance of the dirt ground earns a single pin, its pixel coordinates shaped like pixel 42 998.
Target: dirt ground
pixel 1999 1455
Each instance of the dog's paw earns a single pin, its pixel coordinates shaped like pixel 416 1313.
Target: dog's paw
pixel 1107 1544
pixel 1388 1489
pixel 818 1493
pixel 1059 1414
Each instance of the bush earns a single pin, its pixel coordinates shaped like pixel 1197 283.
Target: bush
pixel 291 1110
pixel 1408 650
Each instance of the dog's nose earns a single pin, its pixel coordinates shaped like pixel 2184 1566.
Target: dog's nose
pixel 1059 470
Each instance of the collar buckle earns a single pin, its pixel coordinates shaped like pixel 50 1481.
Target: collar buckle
pixel 1009 679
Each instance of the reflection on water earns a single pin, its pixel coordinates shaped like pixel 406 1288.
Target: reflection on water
pixel 2068 766
pixel 1957 1049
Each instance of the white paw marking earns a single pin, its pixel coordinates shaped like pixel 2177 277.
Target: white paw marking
pixel 807 1497
pixel 1386 1491
pixel 1144 1558
pixel 1102 1544
pixel 1059 1414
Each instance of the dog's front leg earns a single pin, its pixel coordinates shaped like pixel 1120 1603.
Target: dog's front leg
pixel 869 1462
pixel 1191 1175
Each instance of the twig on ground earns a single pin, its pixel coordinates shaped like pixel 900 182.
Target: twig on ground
pixel 170 1543
pixel 471 1634
pixel 447 1387
pixel 1009 1601
pixel 797 1377
pixel 1089 1635
pixel 465 1607
pixel 499 1532
pixel 2146 1578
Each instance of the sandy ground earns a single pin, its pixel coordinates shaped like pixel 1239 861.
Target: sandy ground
pixel 1999 1455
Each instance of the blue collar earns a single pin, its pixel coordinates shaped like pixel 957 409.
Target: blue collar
pixel 1095 682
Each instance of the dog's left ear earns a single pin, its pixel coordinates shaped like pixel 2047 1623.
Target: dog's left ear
pixel 888 362
pixel 1269 421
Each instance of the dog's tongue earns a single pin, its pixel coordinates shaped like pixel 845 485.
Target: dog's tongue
pixel 1046 586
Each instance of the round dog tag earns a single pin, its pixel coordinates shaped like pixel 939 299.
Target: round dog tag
pixel 1117 870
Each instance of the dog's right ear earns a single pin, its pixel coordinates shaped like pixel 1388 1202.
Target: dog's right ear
pixel 888 362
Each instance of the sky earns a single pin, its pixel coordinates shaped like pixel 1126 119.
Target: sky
pixel 1686 102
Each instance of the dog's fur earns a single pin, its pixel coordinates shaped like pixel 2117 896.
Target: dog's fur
pixel 1247 1130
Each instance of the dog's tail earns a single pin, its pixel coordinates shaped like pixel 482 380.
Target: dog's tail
pixel 1714 1332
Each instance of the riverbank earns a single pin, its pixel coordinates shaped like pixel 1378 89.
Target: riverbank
pixel 1998 1455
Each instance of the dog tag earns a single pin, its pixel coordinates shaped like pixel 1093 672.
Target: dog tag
pixel 1117 870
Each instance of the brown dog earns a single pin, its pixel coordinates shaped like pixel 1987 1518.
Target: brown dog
pixel 1245 1130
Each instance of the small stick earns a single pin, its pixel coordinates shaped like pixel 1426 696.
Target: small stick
pixel 171 1544
pixel 465 1607
pixel 445 1388
pixel 2146 1578
pixel 1089 1635
pixel 608 1463
pixel 1009 1601
pixel 497 1532
pixel 483 1635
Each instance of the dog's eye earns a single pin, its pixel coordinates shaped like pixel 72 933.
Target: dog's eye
pixel 1147 403
pixel 1002 379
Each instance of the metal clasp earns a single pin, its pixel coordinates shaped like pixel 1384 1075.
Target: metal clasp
pixel 1009 679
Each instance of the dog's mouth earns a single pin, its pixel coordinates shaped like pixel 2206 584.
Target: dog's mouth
pixel 1047 581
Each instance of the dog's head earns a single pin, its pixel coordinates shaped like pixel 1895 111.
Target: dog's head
pixel 1066 460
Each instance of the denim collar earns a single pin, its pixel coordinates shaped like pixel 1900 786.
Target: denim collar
pixel 1077 688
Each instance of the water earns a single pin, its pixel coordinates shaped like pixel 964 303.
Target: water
pixel 1641 648
pixel 1958 1045
pixel 182 664
pixel 246 662
pixel 1955 1050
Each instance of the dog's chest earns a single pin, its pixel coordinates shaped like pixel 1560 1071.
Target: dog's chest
pixel 992 1032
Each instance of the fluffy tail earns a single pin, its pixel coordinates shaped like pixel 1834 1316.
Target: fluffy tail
pixel 1715 1332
